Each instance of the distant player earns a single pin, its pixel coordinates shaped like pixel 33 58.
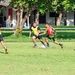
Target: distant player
pixel 50 31
pixel 2 43
pixel 36 31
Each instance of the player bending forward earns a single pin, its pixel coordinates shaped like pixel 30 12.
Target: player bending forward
pixel 36 32
pixel 50 31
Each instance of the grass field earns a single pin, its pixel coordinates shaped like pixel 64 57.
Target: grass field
pixel 61 35
pixel 23 59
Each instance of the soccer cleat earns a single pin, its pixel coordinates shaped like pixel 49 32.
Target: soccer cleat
pixel 34 46
pixel 6 52
pixel 61 45
pixel 48 45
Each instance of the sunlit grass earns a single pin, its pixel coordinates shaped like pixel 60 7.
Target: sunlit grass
pixel 23 59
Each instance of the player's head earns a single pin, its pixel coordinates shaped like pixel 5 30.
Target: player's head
pixel 34 24
pixel 46 25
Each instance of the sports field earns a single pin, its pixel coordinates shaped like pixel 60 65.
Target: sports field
pixel 23 59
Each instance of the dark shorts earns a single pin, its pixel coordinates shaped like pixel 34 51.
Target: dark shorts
pixel 39 37
pixel 51 37
pixel 1 38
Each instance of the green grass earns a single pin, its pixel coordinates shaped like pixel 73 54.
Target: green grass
pixel 61 35
pixel 61 26
pixel 23 59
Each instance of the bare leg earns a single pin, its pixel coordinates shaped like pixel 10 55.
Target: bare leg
pixel 58 44
pixel 4 46
pixel 34 41
pixel 47 42
pixel 42 42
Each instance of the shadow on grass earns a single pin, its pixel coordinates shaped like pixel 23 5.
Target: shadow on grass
pixel 59 35
pixel 6 34
pixel 2 52
pixel 65 35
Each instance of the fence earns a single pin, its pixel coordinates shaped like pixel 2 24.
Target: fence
pixel 10 28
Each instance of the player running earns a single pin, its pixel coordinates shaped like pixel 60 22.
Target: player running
pixel 50 31
pixel 36 31
pixel 2 43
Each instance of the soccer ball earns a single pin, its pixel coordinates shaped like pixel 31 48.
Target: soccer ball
pixel 43 46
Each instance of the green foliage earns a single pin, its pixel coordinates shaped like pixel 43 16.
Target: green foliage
pixel 1 10
pixel 17 3
pixel 46 5
pixel 66 5
pixel 72 4
pixel 63 5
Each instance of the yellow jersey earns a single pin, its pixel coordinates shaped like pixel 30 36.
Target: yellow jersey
pixel 35 29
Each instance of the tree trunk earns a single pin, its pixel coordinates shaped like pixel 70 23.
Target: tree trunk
pixel 20 24
pixel 17 23
pixel 19 20
pixel 37 17
pixel 23 21
pixel 26 16
pixel 28 23
pixel 21 15
pixel 32 18
pixel 74 18
pixel 55 19
pixel 59 19
pixel 65 18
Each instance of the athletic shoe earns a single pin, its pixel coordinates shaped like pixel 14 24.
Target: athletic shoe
pixel 6 52
pixel 48 46
pixel 34 46
pixel 61 45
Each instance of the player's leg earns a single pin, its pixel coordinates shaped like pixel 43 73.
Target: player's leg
pixel 61 45
pixel 2 43
pixel 46 39
pixel 4 46
pixel 34 41
pixel 41 40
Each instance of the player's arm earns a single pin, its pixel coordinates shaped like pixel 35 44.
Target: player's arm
pixel 44 32
pixel 54 31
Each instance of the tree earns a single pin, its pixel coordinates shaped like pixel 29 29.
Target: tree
pixel 28 6
pixel 60 7
pixel 18 7
pixel 42 6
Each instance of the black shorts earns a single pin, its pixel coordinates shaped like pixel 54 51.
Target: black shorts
pixel 51 37
pixel 39 37
pixel 1 38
